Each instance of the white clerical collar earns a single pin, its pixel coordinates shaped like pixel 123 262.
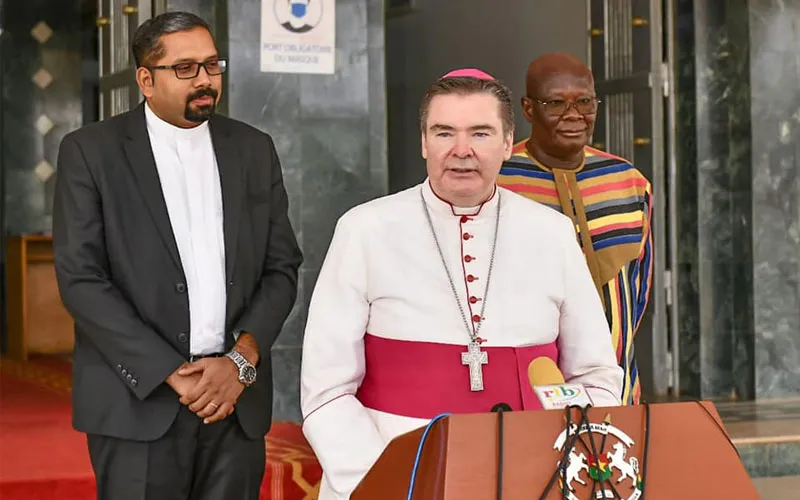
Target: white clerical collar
pixel 441 207
pixel 168 131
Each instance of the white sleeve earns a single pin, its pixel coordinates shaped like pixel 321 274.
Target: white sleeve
pixel 337 426
pixel 586 354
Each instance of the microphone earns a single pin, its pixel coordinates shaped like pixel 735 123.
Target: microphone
pixel 501 407
pixel 553 392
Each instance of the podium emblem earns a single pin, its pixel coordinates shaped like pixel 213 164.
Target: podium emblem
pixel 611 473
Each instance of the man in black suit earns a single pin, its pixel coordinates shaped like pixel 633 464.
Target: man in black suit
pixel 175 256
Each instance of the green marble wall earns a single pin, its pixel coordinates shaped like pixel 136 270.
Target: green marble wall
pixel 739 208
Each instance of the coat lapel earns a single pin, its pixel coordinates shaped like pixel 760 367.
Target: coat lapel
pixel 140 156
pixel 232 180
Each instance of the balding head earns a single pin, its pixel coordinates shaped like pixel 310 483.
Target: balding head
pixel 549 66
pixel 561 106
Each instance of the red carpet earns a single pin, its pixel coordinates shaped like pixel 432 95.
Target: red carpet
pixel 43 458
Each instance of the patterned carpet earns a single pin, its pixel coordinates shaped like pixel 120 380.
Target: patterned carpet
pixel 35 405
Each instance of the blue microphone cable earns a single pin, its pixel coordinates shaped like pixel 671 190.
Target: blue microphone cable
pixel 419 452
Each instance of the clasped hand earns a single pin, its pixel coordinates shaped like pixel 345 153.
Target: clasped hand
pixel 210 387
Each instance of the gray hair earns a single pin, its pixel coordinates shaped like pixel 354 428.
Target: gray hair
pixel 146 45
pixel 466 85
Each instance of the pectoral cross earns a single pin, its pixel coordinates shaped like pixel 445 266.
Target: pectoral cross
pixel 474 358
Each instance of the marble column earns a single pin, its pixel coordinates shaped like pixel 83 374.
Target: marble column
pixel 330 133
pixel 775 72
pixel 739 128
pixel 686 134
pixel 715 200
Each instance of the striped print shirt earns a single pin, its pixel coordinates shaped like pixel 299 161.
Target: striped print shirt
pixel 610 202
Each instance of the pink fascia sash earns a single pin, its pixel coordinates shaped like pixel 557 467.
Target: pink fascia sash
pixel 425 379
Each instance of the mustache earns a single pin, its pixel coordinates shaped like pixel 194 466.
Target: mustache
pixel 207 92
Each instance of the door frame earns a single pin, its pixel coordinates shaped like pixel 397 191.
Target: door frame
pixel 117 20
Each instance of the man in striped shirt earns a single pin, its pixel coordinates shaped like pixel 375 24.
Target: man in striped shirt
pixel 607 197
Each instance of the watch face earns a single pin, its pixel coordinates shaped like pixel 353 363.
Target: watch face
pixel 248 374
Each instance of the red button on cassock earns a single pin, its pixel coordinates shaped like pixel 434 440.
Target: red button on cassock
pixel 470 278
pixel 476 318
pixel 468 258
pixel 467 236
pixel 464 219
pixel 473 300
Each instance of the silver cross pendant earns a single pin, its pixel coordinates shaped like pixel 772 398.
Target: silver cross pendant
pixel 475 358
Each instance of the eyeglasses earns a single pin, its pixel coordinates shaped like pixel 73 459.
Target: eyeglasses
pixel 189 70
pixel 557 107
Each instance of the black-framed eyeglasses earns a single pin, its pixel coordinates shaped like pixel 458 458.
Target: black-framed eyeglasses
pixel 189 70
pixel 557 107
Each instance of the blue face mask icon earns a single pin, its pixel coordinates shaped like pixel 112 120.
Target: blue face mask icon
pixel 299 9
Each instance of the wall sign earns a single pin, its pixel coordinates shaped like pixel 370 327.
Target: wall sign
pixel 298 36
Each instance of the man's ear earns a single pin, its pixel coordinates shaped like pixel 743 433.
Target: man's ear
pixel 144 79
pixel 527 108
pixel 508 145
pixel 424 142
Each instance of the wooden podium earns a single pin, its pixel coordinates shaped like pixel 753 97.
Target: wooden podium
pixel 689 457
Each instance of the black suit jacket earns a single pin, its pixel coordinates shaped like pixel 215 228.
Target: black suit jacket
pixel 120 275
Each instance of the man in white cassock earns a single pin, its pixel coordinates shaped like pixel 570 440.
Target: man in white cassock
pixel 435 299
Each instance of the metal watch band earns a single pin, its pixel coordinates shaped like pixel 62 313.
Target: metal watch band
pixel 237 358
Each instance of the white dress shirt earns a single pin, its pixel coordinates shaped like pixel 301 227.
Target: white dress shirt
pixel 187 168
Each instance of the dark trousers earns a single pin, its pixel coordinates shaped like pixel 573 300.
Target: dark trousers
pixel 192 461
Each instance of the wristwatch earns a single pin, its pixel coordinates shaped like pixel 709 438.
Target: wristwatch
pixel 247 372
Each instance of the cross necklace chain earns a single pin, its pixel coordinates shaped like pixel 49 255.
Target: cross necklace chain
pixel 473 356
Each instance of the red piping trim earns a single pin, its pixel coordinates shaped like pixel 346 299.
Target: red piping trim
pixel 326 403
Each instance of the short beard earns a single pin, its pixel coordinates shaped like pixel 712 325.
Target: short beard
pixel 201 113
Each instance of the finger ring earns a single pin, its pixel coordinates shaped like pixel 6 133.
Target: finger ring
pixel 214 405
